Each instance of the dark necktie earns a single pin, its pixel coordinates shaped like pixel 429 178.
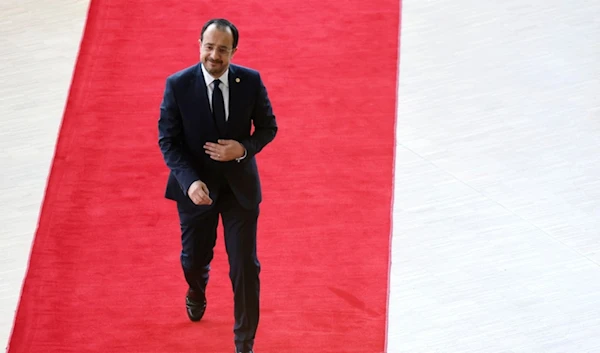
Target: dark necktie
pixel 218 107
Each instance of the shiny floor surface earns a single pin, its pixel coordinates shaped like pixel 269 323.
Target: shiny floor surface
pixel 496 240
pixel 38 48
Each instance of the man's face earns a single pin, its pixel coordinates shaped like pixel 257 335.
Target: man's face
pixel 216 50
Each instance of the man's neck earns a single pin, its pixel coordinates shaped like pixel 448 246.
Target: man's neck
pixel 215 77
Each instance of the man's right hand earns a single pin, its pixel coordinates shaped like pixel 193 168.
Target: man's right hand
pixel 198 193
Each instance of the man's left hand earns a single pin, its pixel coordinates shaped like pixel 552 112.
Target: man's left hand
pixel 224 150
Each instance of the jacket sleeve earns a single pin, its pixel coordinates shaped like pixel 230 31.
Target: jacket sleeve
pixel 265 125
pixel 170 139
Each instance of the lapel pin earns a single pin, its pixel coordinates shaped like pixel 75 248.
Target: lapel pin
pixel 237 80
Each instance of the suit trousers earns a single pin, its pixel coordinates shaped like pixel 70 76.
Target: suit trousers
pixel 198 239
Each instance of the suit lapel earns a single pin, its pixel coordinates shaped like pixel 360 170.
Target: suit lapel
pixel 200 102
pixel 233 96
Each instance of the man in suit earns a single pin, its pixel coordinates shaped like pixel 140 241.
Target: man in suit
pixel 205 137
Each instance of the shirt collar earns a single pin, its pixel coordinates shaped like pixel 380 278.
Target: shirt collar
pixel 208 79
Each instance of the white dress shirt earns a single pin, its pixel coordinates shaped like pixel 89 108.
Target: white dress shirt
pixel 210 86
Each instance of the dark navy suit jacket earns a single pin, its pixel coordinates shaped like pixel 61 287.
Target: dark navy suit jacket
pixel 186 123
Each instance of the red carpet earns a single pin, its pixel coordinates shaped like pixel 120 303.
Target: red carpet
pixel 104 273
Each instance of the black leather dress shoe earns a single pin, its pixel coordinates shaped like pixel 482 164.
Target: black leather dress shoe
pixel 250 351
pixel 195 307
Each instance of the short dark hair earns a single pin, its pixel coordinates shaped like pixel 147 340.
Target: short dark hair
pixel 221 24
